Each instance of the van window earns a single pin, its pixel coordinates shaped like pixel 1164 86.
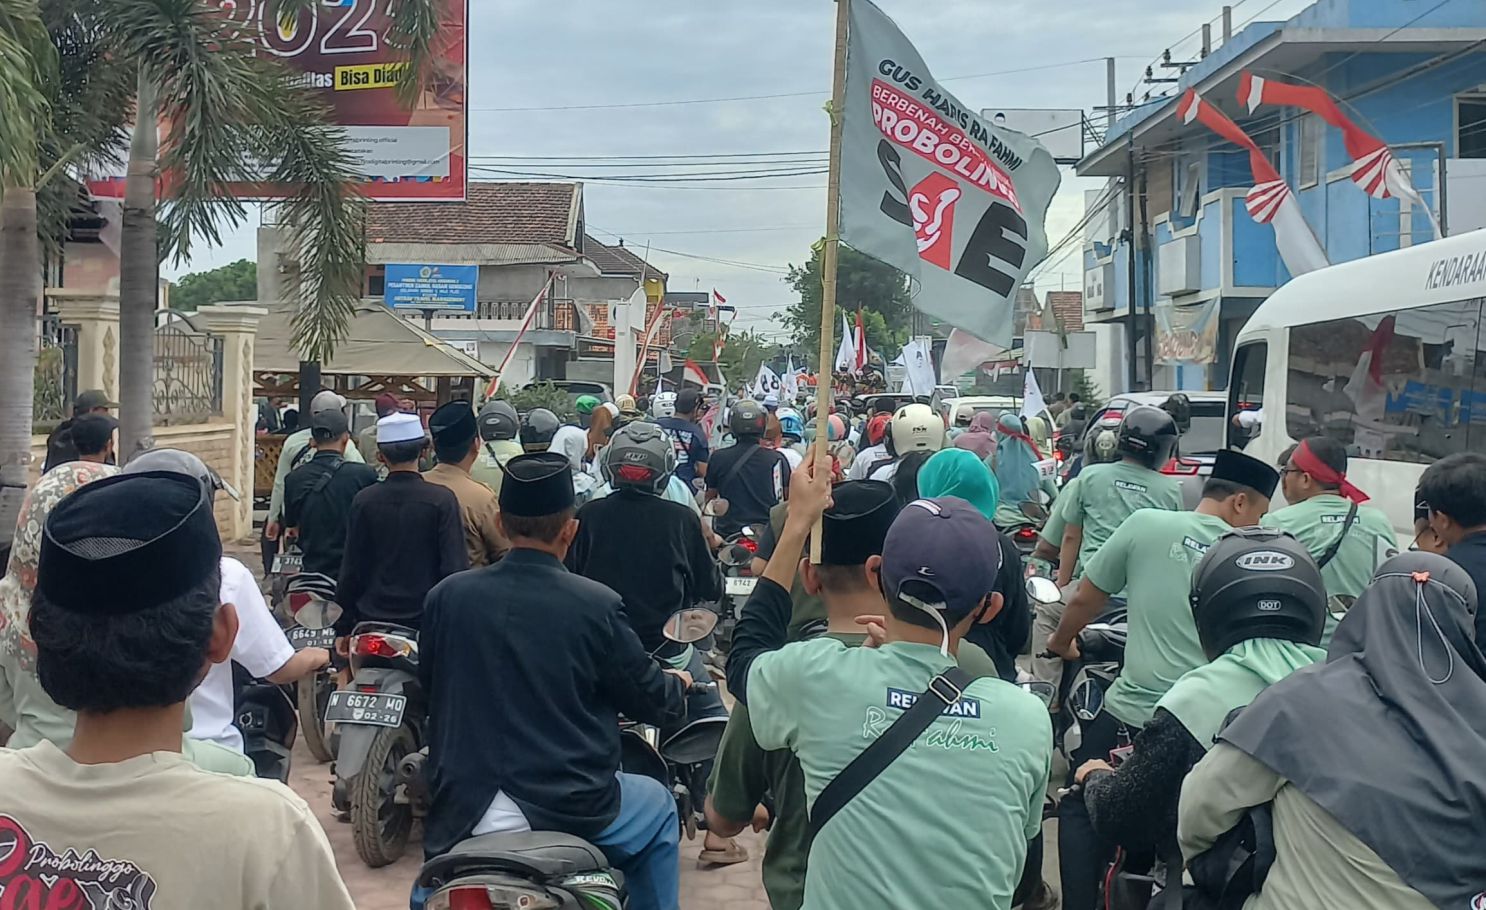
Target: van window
pixel 1246 390
pixel 1399 386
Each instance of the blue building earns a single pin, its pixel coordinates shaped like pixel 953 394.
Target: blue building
pixel 1411 72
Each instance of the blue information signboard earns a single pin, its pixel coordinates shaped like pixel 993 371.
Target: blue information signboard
pixel 446 288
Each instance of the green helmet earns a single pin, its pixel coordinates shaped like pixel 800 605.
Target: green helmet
pixel 586 404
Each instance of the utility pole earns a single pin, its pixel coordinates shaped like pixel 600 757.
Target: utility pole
pixel 1109 96
pixel 1227 23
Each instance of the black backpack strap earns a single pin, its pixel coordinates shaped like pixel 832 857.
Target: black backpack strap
pixel 1336 545
pixel 944 690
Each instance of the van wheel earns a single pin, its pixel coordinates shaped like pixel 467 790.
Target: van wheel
pixel 380 823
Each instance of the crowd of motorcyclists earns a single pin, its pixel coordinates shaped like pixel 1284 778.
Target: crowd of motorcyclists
pixel 1297 717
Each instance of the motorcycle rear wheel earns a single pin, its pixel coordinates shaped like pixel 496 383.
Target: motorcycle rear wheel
pixel 379 823
pixel 311 696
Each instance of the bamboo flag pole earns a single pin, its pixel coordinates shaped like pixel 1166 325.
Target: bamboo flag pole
pixel 828 258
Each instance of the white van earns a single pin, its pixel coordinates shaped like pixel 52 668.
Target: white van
pixel 1386 354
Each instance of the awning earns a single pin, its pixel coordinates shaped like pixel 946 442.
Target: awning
pixel 379 343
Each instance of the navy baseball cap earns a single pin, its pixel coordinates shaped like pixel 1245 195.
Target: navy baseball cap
pixel 941 554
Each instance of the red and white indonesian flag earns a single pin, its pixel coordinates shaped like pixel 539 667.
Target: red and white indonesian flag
pixel 1270 201
pixel 933 190
pixel 1374 168
pixel 694 374
pixel 717 300
pixel 846 350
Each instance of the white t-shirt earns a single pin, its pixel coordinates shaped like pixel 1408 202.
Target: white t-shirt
pixel 886 473
pixel 865 459
pixel 571 442
pixel 793 456
pixel 157 833
pixel 260 647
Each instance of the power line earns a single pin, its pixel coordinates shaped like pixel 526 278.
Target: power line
pixel 599 181
pixel 686 101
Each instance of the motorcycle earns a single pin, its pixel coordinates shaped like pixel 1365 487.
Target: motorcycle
pixel 1024 532
pixel 264 715
pixel 380 721
pixel 560 871
pixel 309 606
pixel 677 760
pixel 735 560
pixel 1080 693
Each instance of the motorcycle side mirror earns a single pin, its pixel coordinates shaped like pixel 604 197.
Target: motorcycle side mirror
pixel 1043 590
pixel 1046 692
pixel 687 626
pixel 318 614
pixel 716 508
pixel 1034 510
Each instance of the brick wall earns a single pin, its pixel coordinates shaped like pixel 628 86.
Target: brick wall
pixel 211 442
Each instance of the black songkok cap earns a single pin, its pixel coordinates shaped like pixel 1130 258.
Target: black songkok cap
pixel 453 424
pixel 1236 467
pixel 537 485
pixel 128 543
pixel 856 524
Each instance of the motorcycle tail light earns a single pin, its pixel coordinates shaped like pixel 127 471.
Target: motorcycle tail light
pixel 487 896
pixel 1026 533
pixel 297 601
pixel 749 544
pixel 1180 466
pixel 380 646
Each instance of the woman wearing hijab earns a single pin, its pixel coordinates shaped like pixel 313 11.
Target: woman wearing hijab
pixel 979 438
pixel 1257 626
pixel 600 428
pixel 1015 463
pixel 1371 760
pixel 957 472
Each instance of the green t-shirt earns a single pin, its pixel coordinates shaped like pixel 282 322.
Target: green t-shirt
pixel 1317 522
pixel 744 772
pixel 1057 519
pixel 1151 557
pixel 1106 495
pixel 951 815
pixel 489 466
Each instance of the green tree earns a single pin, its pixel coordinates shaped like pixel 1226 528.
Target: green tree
pixel 234 114
pixel 235 281
pixel 879 290
pixel 742 352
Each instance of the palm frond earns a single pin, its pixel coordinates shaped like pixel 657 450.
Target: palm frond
pixel 28 65
pixel 415 26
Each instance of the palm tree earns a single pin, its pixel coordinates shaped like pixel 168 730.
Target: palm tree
pixel 28 66
pixel 229 113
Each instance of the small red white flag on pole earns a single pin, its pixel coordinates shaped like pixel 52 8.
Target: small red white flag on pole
pixel 717 300
pixel 694 373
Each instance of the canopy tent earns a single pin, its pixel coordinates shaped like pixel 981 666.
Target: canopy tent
pixel 378 343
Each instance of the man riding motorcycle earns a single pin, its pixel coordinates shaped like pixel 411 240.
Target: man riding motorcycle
pixel 653 553
pixel 528 667
pixel 499 429
pixel 318 495
pixel 749 476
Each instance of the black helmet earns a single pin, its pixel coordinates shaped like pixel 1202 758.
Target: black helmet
pixel 641 456
pixel 538 426
pixel 1257 583
pixel 498 420
pixel 748 419
pixel 1149 435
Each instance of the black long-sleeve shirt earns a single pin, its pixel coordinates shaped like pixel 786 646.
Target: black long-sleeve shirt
pixel 527 666
pixel 317 501
pixel 652 552
pixel 405 536
pixel 1135 806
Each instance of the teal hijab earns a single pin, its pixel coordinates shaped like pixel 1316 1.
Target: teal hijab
pixel 1015 461
pixel 959 472
pixel 1204 697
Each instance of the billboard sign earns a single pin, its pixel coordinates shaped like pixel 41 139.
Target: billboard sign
pixel 445 288
pixel 340 50
pixel 1060 130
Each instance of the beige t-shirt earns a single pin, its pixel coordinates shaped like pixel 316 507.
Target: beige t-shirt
pixel 157 833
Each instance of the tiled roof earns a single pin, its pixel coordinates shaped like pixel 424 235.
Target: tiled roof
pixel 1068 306
pixel 618 260
pixel 530 213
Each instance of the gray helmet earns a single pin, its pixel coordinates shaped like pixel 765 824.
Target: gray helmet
pixel 1257 583
pixel 178 461
pixel 748 419
pixel 641 457
pixel 498 421
pixel 538 426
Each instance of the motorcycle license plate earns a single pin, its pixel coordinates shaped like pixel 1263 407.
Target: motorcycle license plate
pixel 288 563
pixel 302 638
pixel 364 708
pixel 739 587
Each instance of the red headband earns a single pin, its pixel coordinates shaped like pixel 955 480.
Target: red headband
pixel 1306 460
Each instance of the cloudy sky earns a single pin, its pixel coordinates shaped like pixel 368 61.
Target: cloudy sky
pixel 600 78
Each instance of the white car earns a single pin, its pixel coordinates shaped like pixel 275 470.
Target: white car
pixel 952 409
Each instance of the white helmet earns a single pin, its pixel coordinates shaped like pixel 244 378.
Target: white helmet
pixel 663 404
pixel 916 428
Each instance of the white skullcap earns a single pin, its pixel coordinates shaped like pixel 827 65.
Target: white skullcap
pixel 400 428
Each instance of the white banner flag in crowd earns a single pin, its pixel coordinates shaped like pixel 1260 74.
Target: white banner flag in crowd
pixel 766 383
pixel 1032 401
pixel 846 354
pixel 789 383
pixel 919 361
pixel 932 189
